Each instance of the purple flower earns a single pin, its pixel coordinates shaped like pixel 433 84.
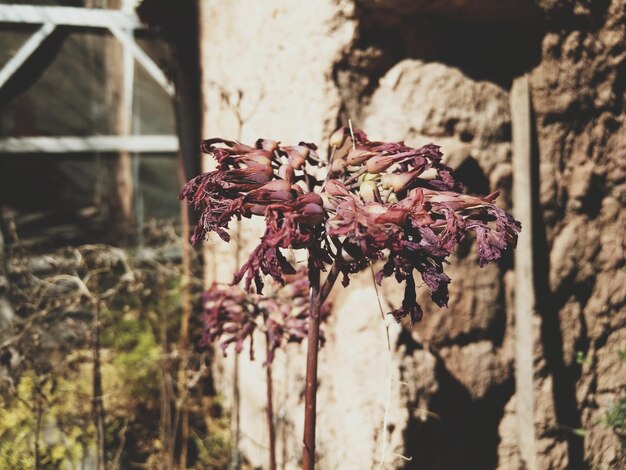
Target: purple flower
pixel 231 315
pixel 378 200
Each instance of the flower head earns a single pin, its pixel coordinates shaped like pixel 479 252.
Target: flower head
pixel 231 315
pixel 378 200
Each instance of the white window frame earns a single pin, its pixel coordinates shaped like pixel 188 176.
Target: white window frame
pixel 122 25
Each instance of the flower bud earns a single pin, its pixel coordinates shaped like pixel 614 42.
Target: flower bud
pixel 358 156
pixel 247 176
pixel 274 192
pixel 276 185
pixel 456 201
pixel 340 153
pixel 255 209
pixel 379 163
pixel 397 181
pixel 336 188
pixel 338 137
pixel 311 198
pixel 287 173
pixel 329 202
pixel 267 145
pixel 312 214
pixel 297 155
pixel 257 158
pixel 368 190
pixel 369 177
pixel 393 215
pixel 429 174
pixel 337 166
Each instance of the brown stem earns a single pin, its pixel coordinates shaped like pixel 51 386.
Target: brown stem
pixel 38 419
pixel 270 407
pixel 98 404
pixel 355 176
pixel 318 296
pixel 120 447
pixel 184 436
pixel 310 393
pixel 235 420
pixel 333 274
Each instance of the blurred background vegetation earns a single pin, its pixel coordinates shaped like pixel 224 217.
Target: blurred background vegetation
pixel 94 363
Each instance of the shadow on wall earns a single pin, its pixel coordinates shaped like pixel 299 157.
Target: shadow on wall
pixel 485 39
pixel 465 434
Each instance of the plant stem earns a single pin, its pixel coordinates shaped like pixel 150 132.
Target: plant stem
pixel 38 419
pixel 333 274
pixel 270 407
pixel 235 419
pixel 318 296
pixel 310 393
pixel 98 405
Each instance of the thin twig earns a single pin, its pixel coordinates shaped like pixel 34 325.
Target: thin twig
pixel 352 134
pixel 331 278
pixel 120 448
pixel 355 176
pixel 383 450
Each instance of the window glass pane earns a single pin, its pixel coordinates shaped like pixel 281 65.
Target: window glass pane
pixel 153 110
pixel 52 199
pixel 68 98
pixel 72 96
pixel 12 37
pixel 158 187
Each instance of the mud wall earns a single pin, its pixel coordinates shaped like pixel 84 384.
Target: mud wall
pixel 441 71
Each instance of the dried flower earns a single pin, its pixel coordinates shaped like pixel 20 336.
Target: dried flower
pixel 379 200
pixel 231 315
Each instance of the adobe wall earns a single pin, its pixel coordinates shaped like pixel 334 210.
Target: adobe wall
pixel 441 71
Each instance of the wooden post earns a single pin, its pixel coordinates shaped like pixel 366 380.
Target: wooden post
pixel 119 104
pixel 524 282
pixel 186 304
